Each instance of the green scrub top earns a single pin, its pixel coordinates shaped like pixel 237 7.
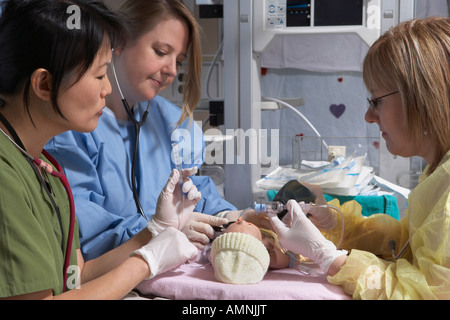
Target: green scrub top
pixel 32 248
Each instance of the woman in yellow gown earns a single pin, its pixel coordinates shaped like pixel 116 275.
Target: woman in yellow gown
pixel 407 71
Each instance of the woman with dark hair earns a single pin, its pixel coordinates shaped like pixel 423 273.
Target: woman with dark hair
pixel 53 78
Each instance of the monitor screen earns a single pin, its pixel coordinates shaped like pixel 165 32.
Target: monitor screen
pixel 326 13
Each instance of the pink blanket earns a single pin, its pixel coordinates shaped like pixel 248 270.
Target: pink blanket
pixel 196 281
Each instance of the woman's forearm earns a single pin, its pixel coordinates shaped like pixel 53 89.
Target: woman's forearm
pixel 97 267
pixel 336 265
pixel 113 285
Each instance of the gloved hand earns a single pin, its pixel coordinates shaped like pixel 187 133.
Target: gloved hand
pixel 299 235
pixel 171 208
pixel 322 218
pixel 198 228
pixel 170 249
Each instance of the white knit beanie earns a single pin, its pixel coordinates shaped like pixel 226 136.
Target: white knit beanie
pixel 239 258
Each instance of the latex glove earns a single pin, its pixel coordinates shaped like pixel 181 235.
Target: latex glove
pixel 172 206
pixel 170 249
pixel 299 235
pixel 198 228
pixel 322 218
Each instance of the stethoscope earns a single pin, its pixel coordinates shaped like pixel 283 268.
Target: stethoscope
pixel 137 129
pixel 58 174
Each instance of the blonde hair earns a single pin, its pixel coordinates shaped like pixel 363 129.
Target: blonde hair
pixel 141 16
pixel 413 57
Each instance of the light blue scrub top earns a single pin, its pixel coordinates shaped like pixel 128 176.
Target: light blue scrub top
pixel 98 167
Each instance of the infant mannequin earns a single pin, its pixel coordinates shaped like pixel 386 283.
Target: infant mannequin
pixel 278 257
pixel 238 255
pixel 244 252
pixel 245 227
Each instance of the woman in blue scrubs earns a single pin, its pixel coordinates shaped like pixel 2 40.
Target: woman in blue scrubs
pixel 162 35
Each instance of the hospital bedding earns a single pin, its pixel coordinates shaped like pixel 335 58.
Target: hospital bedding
pixel 194 281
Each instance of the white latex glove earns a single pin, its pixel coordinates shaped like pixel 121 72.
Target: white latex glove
pixel 172 206
pixel 170 249
pixel 299 235
pixel 198 228
pixel 322 218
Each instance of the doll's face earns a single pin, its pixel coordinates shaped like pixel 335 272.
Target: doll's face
pixel 278 259
pixel 244 227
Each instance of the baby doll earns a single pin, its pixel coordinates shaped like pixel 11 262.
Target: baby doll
pixel 244 252
pixel 238 255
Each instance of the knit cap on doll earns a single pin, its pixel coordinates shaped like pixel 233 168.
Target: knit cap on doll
pixel 239 258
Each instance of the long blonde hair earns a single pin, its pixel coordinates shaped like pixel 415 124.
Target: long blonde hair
pixel 413 57
pixel 141 16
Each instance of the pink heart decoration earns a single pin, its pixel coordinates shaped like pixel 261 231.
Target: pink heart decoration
pixel 337 110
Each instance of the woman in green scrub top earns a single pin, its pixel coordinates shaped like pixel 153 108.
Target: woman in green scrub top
pixel 54 56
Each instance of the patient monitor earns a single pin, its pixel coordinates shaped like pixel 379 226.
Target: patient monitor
pixel 315 16
pixel 367 18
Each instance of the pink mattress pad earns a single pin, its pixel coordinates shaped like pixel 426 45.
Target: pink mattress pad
pixel 193 281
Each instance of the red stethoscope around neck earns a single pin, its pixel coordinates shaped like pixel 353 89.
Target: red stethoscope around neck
pixel 60 175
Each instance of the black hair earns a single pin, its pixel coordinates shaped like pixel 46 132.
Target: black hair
pixel 40 34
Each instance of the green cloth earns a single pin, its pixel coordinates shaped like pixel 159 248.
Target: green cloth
pixel 370 204
pixel 31 244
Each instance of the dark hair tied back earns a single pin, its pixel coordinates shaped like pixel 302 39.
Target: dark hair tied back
pixel 36 34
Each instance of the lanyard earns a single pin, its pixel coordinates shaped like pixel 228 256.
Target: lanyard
pixel 58 174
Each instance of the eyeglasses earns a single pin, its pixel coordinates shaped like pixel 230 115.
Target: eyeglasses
pixel 374 102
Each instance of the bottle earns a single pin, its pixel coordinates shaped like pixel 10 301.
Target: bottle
pixel 270 207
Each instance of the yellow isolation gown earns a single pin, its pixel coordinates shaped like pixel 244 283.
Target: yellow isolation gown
pixel 423 270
